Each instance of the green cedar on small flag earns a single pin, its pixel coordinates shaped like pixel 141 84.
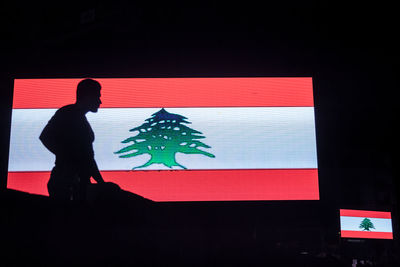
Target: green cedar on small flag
pixel 162 136
pixel 366 225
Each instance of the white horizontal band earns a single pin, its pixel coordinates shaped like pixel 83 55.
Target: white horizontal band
pixel 353 224
pixel 240 138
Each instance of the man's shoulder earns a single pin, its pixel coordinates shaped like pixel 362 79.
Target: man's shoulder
pixel 67 113
pixel 67 110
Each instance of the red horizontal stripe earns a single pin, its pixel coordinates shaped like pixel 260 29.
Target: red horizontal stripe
pixel 366 234
pixel 170 92
pixel 366 214
pixel 201 185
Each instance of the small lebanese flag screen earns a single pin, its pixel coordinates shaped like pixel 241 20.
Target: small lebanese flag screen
pixel 180 139
pixel 365 224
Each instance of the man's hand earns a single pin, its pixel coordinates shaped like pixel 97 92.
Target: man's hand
pixel 96 174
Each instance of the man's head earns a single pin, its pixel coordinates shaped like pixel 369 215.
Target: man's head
pixel 88 95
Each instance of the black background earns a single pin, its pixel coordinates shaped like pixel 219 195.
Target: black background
pixel 350 50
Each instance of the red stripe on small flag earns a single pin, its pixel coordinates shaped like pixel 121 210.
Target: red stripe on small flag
pixel 170 92
pixel 366 234
pixel 197 185
pixel 365 214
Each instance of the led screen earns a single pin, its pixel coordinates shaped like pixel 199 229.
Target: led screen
pixel 366 224
pixel 180 139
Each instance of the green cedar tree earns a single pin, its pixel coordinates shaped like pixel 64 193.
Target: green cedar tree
pixel 366 225
pixel 162 136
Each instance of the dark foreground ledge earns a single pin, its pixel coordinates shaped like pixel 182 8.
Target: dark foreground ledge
pixel 118 228
pixel 110 229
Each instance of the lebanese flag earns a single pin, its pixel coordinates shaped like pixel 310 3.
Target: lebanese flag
pixel 366 224
pixel 243 138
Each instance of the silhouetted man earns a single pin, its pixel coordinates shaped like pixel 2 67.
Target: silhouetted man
pixel 69 136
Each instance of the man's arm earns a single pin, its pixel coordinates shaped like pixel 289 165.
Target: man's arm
pixel 48 137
